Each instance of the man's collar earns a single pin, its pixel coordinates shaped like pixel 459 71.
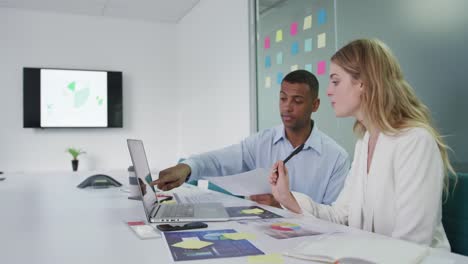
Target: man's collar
pixel 314 140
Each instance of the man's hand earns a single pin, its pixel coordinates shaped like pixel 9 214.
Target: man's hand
pixel 266 199
pixel 172 177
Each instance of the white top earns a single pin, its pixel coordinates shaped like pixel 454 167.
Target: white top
pixel 401 196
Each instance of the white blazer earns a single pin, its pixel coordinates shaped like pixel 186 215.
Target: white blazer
pixel 402 195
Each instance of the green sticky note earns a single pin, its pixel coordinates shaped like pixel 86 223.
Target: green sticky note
pixel 279 35
pixel 268 258
pixel 252 211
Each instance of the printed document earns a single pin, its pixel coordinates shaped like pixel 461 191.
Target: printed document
pixel 245 184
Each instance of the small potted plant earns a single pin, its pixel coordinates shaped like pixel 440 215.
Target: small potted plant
pixel 75 152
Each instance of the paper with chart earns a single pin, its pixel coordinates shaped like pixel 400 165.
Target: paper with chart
pixel 210 244
pixel 246 184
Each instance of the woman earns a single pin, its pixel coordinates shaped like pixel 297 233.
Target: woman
pixel 400 162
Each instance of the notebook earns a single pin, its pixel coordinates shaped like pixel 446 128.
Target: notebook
pixel 346 248
pixel 159 213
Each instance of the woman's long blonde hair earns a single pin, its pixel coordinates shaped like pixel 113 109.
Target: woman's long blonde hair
pixel 389 101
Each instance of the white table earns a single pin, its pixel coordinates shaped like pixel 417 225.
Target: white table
pixel 45 219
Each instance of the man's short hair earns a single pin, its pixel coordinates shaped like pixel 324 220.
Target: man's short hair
pixel 306 77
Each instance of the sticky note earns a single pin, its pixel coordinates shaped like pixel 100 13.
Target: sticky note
pixel 308 45
pixel 267 82
pixel 321 40
pixel 240 236
pixel 252 211
pixel 169 202
pixel 267 61
pixel 279 58
pixel 295 48
pixel 294 67
pixel 321 65
pixel 322 16
pixel 268 258
pixel 192 244
pixel 279 35
pixel 279 77
pixel 308 67
pixel 293 28
pixel 266 43
pixel 307 22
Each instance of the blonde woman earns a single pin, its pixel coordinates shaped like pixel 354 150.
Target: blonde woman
pixel 400 165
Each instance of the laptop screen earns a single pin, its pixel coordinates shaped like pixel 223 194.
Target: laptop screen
pixel 143 173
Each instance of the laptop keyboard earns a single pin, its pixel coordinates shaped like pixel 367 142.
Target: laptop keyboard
pixel 177 211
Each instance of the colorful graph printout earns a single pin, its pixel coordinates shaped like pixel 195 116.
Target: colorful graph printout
pixel 250 211
pixel 208 244
pixel 281 229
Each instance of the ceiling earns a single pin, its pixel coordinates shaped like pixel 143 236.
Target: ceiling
pixel 167 11
pixel 265 5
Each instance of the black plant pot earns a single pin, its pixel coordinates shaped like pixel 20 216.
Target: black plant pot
pixel 75 165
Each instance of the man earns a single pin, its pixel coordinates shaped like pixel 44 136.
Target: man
pixel 318 171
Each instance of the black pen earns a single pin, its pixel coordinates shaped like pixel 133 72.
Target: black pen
pixel 297 150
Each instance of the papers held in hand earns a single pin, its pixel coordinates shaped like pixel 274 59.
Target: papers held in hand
pixel 245 184
pixel 343 248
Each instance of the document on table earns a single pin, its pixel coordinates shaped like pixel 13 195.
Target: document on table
pixel 245 184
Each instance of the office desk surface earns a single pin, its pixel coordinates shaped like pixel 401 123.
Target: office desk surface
pixel 46 219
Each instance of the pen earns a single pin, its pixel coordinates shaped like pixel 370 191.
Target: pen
pixel 297 150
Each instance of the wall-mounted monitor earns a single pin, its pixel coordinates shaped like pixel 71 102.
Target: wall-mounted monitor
pixel 61 98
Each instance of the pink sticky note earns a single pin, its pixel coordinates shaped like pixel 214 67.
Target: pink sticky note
pixel 321 67
pixel 294 28
pixel 267 43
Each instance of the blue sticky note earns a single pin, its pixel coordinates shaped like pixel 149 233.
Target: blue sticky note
pixel 308 45
pixel 308 67
pixel 267 62
pixel 295 48
pixel 322 16
pixel 279 58
pixel 279 77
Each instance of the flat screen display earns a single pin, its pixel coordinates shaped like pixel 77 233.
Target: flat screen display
pixel 72 98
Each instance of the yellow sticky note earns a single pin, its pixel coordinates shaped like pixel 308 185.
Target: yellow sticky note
pixel 294 67
pixel 268 258
pixel 240 236
pixel 252 211
pixel 268 82
pixel 169 202
pixel 322 40
pixel 192 244
pixel 307 22
pixel 279 35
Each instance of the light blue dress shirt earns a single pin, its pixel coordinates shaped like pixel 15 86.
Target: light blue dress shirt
pixel 318 171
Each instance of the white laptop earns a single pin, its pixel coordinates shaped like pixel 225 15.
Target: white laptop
pixel 163 213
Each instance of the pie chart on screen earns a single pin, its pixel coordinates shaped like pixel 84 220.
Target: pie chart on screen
pixel 283 226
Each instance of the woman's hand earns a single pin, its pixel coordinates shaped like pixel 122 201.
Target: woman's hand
pixel 279 181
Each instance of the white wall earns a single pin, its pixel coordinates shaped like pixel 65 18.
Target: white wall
pixel 213 64
pixel 145 52
pixel 186 85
